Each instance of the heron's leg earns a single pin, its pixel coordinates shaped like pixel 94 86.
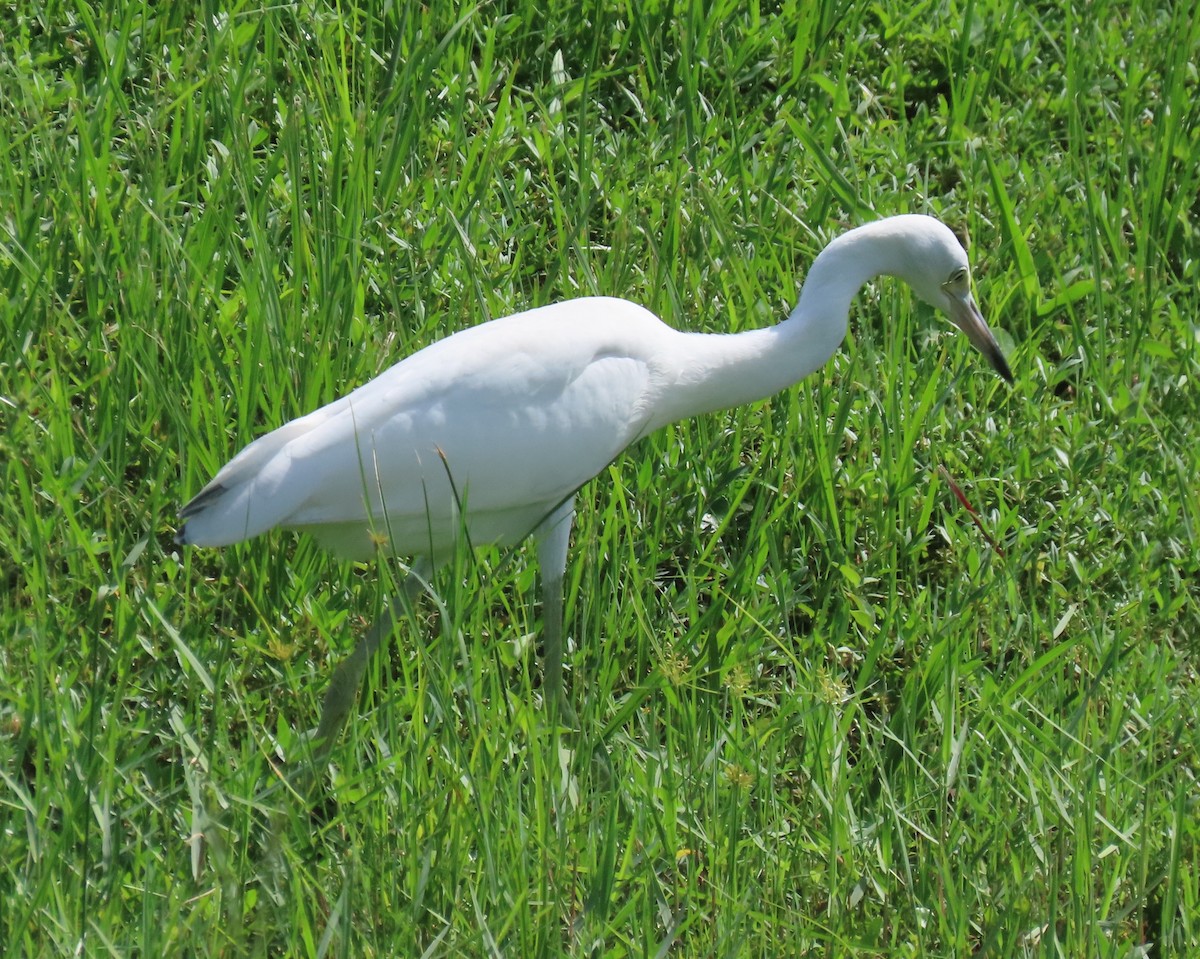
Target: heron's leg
pixel 553 536
pixel 347 678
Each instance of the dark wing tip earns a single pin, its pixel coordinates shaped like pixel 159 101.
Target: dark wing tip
pixel 198 502
pixel 194 506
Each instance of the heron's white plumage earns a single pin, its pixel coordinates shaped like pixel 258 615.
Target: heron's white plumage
pixel 506 419
pixel 493 429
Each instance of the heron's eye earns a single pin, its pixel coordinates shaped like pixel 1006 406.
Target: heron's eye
pixel 958 278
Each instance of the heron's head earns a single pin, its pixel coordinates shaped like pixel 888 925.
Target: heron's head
pixel 937 269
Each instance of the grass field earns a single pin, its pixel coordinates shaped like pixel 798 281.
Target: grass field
pixel 820 713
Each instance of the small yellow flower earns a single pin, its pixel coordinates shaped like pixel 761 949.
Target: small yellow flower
pixel 675 665
pixel 831 689
pixel 379 539
pixel 280 650
pixel 738 776
pixel 738 680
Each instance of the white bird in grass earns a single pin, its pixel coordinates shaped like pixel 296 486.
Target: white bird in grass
pixel 490 432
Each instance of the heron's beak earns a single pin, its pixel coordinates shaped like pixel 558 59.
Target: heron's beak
pixel 966 316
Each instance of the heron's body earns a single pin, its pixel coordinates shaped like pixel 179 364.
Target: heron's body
pixel 487 430
pixel 493 429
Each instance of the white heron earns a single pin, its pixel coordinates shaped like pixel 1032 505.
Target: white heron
pixel 490 432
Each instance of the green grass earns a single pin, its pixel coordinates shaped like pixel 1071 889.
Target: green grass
pixel 837 721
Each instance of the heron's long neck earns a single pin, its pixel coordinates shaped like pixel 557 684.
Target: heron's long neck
pixel 717 371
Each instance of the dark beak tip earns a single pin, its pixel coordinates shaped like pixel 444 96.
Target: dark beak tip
pixel 998 361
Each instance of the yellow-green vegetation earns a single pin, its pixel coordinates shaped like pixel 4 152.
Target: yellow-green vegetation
pixel 820 712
